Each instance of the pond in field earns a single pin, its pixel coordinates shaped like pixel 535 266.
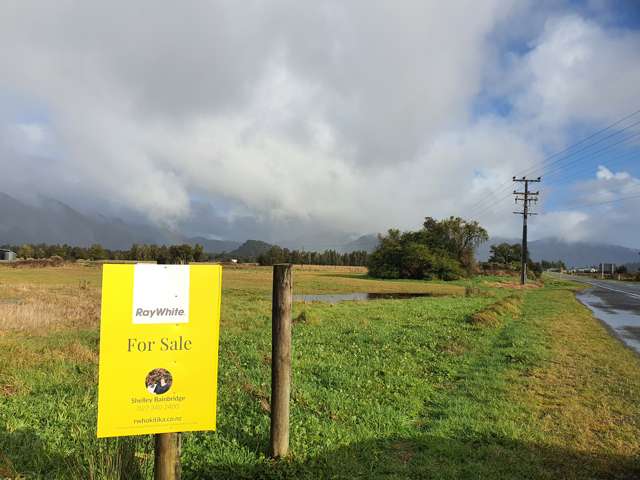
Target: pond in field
pixel 359 296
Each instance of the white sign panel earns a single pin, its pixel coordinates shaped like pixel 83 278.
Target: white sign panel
pixel 160 294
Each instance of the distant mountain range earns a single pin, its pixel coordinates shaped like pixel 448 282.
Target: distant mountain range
pixel 254 248
pixel 573 254
pixel 365 242
pixel 51 221
pixel 213 246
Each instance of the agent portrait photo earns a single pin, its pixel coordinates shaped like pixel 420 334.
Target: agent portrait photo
pixel 158 381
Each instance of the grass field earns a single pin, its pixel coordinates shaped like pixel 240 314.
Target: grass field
pixel 495 383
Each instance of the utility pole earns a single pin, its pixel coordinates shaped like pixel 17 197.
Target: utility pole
pixel 526 198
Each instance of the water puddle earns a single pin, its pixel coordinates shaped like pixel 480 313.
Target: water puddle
pixel 359 296
pixel 619 312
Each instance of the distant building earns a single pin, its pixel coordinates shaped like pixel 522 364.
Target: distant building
pixel 583 270
pixel 7 255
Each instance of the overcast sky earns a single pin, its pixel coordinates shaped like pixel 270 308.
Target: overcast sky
pixel 293 120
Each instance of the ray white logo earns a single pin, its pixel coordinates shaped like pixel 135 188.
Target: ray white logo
pixel 159 312
pixel 160 294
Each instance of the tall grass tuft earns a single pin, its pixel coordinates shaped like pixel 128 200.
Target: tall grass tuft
pixel 494 314
pixel 45 308
pixel 117 459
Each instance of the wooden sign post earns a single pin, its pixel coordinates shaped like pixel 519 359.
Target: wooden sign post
pixel 166 454
pixel 280 359
pixel 166 462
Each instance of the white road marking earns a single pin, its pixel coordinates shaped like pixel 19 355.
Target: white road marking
pixel 596 285
pixel 599 285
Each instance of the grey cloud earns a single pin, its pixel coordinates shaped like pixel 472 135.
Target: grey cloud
pixel 301 119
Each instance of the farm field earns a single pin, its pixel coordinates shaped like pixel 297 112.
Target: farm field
pixel 480 380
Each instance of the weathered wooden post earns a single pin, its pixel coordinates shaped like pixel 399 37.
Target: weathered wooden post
pixel 280 359
pixel 166 464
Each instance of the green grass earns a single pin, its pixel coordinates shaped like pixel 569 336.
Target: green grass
pixel 384 389
pixel 66 275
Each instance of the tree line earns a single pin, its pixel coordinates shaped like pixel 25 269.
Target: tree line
pixel 277 254
pixel 141 252
pixel 184 253
pixel 442 249
pixel 509 256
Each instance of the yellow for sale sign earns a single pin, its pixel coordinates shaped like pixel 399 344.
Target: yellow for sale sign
pixel 159 335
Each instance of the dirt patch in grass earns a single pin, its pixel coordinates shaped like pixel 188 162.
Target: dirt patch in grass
pixel 8 389
pixel 6 468
pixel 404 451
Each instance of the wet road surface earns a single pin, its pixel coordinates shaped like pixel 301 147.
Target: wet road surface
pixel 615 303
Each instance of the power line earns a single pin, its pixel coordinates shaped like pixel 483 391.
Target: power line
pixel 585 205
pixel 559 169
pixel 604 149
pixel 542 168
pixel 490 206
pixel 547 161
pixel 615 162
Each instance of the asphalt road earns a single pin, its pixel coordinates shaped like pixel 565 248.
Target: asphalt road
pixel 615 303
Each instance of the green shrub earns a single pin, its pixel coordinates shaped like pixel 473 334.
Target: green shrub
pixel 441 249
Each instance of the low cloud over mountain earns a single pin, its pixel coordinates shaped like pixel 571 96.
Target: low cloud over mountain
pixel 51 221
pixel 297 120
pixel 573 254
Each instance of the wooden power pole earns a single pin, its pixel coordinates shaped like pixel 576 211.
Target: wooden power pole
pixel 526 197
